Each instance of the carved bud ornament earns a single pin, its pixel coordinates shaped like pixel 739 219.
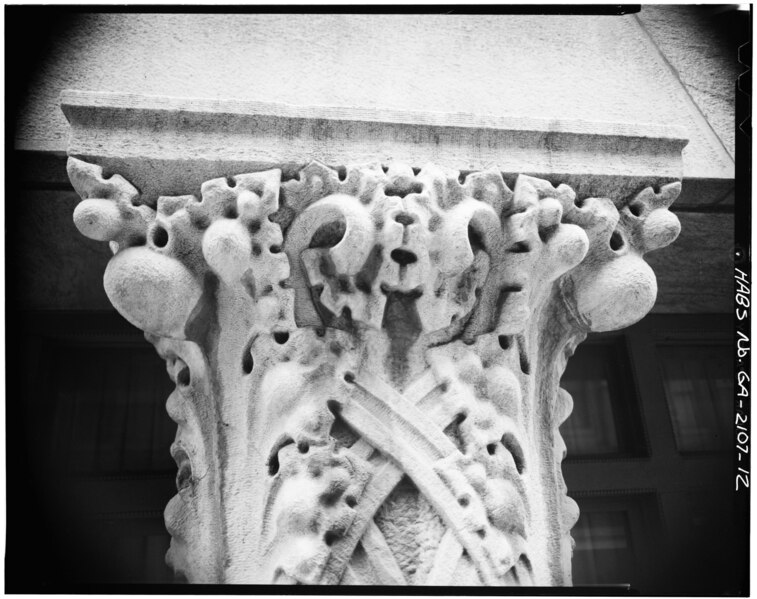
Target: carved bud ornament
pixel 367 362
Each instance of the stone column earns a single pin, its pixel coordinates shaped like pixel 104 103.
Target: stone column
pixel 367 357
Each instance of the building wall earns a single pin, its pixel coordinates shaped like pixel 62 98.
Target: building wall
pixel 666 65
pixel 574 67
pixel 698 43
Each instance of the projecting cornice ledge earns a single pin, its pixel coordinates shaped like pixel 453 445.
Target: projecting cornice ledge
pixel 170 146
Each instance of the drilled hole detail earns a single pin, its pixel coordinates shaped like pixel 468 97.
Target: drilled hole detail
pixel 616 241
pixel 405 218
pixel 328 235
pixel 184 378
pixel 403 257
pixel 281 337
pixel 160 237
pixel 637 208
pixel 247 362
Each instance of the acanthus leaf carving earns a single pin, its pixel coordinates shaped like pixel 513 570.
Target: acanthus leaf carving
pixel 367 362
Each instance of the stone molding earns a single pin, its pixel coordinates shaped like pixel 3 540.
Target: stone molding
pixel 367 360
pixel 168 146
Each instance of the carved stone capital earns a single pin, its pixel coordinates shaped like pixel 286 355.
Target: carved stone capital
pixel 367 362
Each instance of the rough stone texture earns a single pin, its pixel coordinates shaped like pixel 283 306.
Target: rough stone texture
pixel 704 59
pixel 54 266
pixel 170 145
pixel 695 274
pixel 367 362
pixel 58 269
pixel 517 66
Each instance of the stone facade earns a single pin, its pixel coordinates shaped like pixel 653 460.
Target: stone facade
pixel 367 359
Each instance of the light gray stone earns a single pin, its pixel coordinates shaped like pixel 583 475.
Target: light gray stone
pixel 367 362
pixel 553 67
pixel 704 59
pixel 171 145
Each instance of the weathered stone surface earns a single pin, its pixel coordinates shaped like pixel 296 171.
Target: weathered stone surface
pixel 367 362
pixel 575 68
pixel 51 266
pixel 697 43
pixel 172 145
pixel 695 274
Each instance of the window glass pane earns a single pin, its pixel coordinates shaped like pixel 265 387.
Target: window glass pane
pixel 111 414
pixel 155 568
pixel 699 389
pixel 136 551
pixel 604 419
pixel 590 429
pixel 603 552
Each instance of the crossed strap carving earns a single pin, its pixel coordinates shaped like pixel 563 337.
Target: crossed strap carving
pixel 407 430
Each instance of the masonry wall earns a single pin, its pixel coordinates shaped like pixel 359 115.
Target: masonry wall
pixel 667 65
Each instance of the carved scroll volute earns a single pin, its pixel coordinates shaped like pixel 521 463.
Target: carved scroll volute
pixel 136 277
pixel 611 288
pixel 614 288
pixel 365 360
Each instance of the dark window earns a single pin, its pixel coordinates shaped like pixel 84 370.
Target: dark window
pixel 603 553
pixel 617 540
pixel 699 390
pixel 110 411
pixel 605 418
pixel 100 440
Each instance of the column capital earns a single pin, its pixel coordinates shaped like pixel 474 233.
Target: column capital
pixel 367 355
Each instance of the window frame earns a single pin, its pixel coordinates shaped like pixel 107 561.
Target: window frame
pixel 93 507
pixel 644 517
pixel 629 418
pixel 685 341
